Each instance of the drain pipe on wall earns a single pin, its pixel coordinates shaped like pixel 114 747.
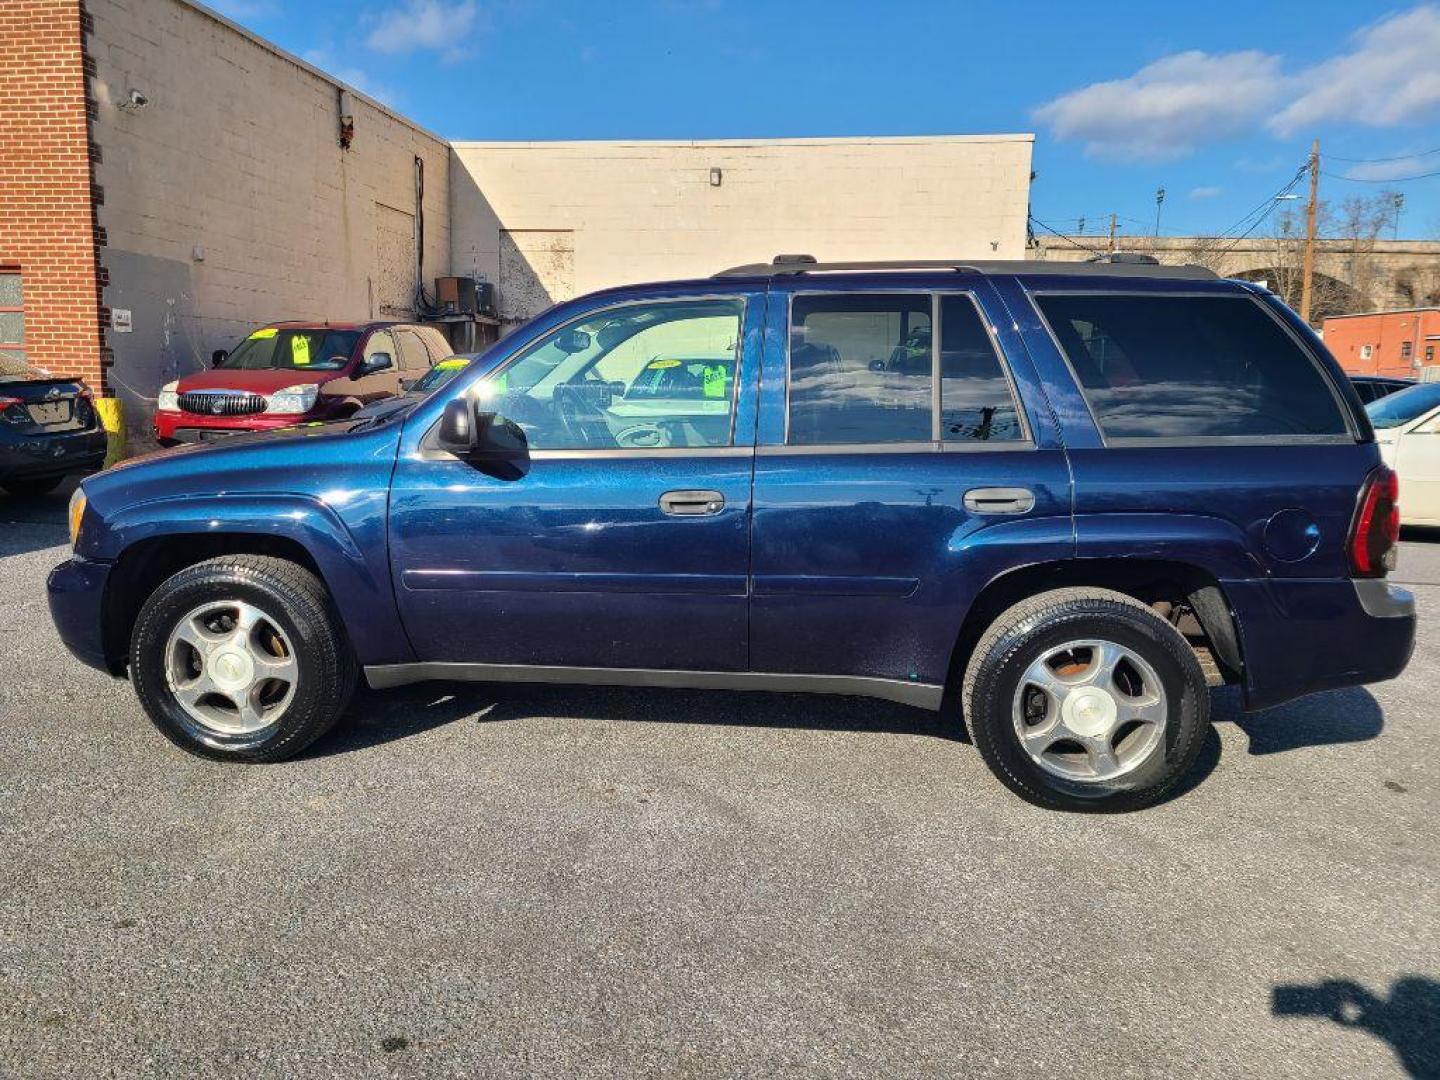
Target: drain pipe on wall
pixel 420 302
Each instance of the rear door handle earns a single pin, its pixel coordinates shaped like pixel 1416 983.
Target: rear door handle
pixel 692 503
pixel 999 500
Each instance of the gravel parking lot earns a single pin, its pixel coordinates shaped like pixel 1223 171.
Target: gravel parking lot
pixel 470 881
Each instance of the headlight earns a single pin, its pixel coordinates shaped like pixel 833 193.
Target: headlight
pixel 293 399
pixel 169 400
pixel 76 512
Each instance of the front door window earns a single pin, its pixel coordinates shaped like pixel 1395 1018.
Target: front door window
pixel 643 376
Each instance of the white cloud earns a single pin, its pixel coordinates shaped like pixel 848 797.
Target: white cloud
pixel 1169 108
pixel 1206 193
pixel 1393 170
pixel 1391 76
pixel 360 79
pixel 439 25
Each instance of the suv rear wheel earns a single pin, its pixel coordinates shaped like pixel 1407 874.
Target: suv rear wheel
pixel 1086 699
pixel 241 657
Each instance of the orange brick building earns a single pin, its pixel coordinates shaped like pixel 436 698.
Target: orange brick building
pixel 1395 343
pixel 51 308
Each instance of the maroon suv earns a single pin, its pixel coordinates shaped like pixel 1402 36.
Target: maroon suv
pixel 294 372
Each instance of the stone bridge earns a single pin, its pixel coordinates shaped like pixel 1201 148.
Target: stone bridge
pixel 1350 275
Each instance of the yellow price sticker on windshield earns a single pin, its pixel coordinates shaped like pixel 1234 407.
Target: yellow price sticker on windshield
pixel 300 350
pixel 660 365
pixel 261 335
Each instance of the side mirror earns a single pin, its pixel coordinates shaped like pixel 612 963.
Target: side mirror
pixel 218 357
pixel 467 432
pixel 379 361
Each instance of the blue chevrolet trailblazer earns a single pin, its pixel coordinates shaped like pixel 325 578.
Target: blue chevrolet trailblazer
pixel 1059 498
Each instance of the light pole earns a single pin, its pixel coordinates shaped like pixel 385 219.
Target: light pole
pixel 1159 200
pixel 1398 200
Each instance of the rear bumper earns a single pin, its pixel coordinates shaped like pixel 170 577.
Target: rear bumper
pixel 1298 637
pixel 76 590
pixel 23 457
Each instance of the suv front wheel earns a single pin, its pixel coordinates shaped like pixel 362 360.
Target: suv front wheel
pixel 1086 699
pixel 242 658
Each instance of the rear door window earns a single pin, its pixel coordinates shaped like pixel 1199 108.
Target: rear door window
pixel 1191 367
pixel 860 369
pixel 414 359
pixel 977 403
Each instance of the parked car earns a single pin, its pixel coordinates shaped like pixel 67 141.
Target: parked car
pixel 1060 492
pixel 1374 387
pixel 295 372
pixel 419 389
pixel 1407 428
pixel 48 429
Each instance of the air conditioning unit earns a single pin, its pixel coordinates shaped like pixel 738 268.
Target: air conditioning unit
pixel 464 296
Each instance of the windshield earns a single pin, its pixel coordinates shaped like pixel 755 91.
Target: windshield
pixel 440 374
pixel 1402 407
pixel 301 349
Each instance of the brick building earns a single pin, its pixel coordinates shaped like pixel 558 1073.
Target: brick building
pixel 1395 343
pixel 169 180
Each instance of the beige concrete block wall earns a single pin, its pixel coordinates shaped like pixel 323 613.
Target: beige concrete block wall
pixel 648 210
pixel 228 201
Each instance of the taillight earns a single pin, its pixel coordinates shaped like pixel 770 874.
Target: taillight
pixel 13 410
pixel 1375 533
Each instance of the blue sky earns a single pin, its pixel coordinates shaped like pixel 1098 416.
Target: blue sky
pixel 1216 102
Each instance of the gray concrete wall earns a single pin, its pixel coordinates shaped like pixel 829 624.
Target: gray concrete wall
pixel 228 201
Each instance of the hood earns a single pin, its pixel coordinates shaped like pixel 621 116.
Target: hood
pixel 258 382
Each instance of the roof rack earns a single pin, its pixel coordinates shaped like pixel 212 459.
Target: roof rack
pixel 1106 264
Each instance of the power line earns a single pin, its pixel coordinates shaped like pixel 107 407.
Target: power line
pixel 1378 160
pixel 1056 232
pixel 1383 179
pixel 1264 210
pixel 1251 221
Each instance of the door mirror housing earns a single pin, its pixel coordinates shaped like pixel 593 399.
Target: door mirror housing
pixel 468 431
pixel 380 361
pixel 218 357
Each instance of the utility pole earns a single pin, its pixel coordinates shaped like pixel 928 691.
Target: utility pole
pixel 1307 275
pixel 1114 219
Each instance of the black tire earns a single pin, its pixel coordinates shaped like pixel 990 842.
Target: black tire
pixel 298 604
pixel 32 489
pixel 1023 634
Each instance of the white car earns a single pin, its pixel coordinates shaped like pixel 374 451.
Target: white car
pixel 1407 428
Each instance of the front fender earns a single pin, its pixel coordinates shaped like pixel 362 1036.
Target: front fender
pixel 358 582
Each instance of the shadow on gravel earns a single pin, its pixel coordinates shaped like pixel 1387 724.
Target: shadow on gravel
pixel 377 717
pixel 1409 1019
pixel 1337 716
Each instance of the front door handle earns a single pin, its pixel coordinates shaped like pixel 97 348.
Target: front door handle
pixel 1000 500
pixel 692 503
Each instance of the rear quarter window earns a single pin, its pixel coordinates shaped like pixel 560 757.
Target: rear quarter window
pixel 1191 367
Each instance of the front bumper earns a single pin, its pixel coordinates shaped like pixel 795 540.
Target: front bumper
pixel 35 456
pixel 1298 637
pixel 173 427
pixel 76 591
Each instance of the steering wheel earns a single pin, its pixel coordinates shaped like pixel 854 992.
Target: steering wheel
pixel 571 409
pixel 646 436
